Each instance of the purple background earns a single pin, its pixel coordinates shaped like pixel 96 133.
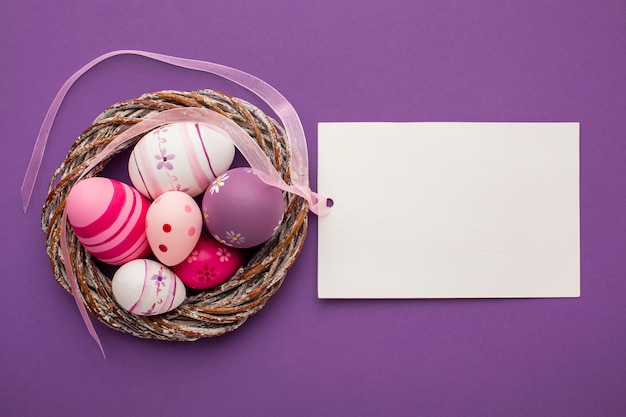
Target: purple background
pixel 411 60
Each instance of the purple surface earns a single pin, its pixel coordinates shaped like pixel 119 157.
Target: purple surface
pixel 336 61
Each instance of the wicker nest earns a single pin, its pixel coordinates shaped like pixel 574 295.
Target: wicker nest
pixel 208 313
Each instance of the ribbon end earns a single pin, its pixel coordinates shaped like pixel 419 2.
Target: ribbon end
pixel 104 356
pixel 321 205
pixel 94 335
pixel 26 190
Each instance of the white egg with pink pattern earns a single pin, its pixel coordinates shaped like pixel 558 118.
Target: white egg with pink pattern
pixel 179 157
pixel 147 288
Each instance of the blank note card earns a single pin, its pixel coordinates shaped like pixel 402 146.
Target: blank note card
pixel 449 210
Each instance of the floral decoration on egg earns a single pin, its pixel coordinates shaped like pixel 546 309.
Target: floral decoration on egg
pixel 240 210
pixel 179 157
pixel 209 264
pixel 147 288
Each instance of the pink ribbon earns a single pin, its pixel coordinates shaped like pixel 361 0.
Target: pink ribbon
pixel 257 159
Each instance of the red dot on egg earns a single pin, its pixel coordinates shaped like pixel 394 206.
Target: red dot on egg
pixel 191 231
pixel 167 228
pixel 187 208
pixel 163 248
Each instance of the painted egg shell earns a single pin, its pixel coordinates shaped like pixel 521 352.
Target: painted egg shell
pixel 108 218
pixel 209 264
pixel 179 157
pixel 173 226
pixel 240 210
pixel 145 287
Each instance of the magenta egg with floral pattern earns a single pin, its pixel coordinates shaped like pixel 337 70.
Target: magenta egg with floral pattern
pixel 240 210
pixel 179 157
pixel 209 264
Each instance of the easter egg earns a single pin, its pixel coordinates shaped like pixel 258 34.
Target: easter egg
pixel 209 264
pixel 108 218
pixel 145 287
pixel 179 157
pixel 173 226
pixel 240 210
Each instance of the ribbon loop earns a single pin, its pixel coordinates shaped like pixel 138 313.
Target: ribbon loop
pixel 274 99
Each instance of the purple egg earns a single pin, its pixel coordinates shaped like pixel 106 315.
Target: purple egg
pixel 240 210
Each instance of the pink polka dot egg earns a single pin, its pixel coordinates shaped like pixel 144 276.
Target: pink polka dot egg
pixel 173 226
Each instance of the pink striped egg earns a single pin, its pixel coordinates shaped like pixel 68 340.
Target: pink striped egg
pixel 145 287
pixel 109 219
pixel 182 156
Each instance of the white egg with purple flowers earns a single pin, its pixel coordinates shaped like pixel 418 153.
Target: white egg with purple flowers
pixel 146 288
pixel 181 156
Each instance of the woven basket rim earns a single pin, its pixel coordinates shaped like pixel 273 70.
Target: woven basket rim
pixel 206 313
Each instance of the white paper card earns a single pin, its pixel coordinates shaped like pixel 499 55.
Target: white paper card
pixel 449 210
